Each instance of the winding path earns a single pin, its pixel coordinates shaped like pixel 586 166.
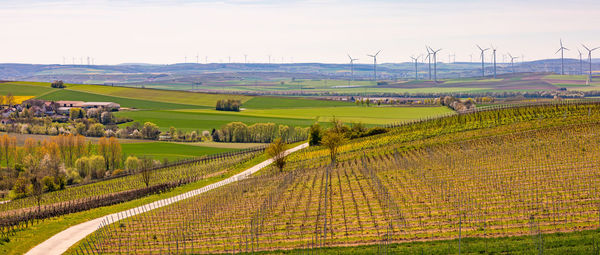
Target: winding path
pixel 62 241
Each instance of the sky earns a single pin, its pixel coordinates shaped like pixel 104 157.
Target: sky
pixel 176 31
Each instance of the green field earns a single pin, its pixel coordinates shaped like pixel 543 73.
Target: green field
pixel 207 119
pixel 170 151
pixel 65 94
pixel 282 102
pixel 23 89
pixel 166 96
pixel 203 120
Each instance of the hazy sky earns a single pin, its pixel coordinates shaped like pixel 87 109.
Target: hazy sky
pixel 164 32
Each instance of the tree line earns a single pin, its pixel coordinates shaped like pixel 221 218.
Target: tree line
pixel 239 132
pixel 228 105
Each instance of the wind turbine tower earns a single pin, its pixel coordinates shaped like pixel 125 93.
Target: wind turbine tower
pixel 494 52
pixel 580 63
pixel 512 62
pixel 482 60
pixel 562 57
pixel 416 62
pixel 590 59
pixel 374 56
pixel 434 52
pixel 429 59
pixel 352 67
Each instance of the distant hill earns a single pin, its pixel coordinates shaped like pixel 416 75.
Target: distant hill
pixel 140 73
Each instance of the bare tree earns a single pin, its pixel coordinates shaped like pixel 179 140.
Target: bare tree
pixel 146 170
pixel 37 190
pixel 277 151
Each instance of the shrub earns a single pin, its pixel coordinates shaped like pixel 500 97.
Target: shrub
pixel 21 188
pixel 48 183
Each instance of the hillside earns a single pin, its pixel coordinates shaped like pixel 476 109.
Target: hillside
pixel 489 174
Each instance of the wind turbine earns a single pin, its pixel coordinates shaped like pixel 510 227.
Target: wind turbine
pixel 580 63
pixel 375 64
pixel 512 62
pixel 352 67
pixel 429 59
pixel 494 52
pixel 562 58
pixel 416 72
pixel 590 58
pixel 434 52
pixel 482 60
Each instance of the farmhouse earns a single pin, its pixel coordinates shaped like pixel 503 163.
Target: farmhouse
pixel 78 104
pixel 105 105
pixel 65 106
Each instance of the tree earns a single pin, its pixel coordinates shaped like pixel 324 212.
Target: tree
pixel 114 149
pixel 315 135
pixel 107 118
pixel 150 130
pixel 276 150
pixel 58 85
pixel 97 166
pixel 104 151
pixel 146 170
pixel 76 113
pixel 83 167
pixel 132 164
pixel 37 190
pixel 332 140
pixel 20 188
pixel 96 130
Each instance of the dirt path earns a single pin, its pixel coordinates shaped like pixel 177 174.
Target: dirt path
pixel 62 241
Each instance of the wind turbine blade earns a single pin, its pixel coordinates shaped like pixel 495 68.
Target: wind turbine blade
pixel 377 53
pixel 565 48
pixel 595 48
pixel 585 47
pixel 558 51
pixel 479 47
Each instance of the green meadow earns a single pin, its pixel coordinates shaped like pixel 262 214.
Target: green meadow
pixel 170 151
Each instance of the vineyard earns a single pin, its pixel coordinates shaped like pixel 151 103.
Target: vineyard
pixel 24 212
pixel 530 170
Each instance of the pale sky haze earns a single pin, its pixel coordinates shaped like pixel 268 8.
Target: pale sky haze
pixel 164 32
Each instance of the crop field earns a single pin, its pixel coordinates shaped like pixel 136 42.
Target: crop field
pixel 165 96
pixel 17 89
pixel 124 102
pixel 366 115
pixel 205 119
pixel 498 173
pixel 169 151
pixel 286 102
